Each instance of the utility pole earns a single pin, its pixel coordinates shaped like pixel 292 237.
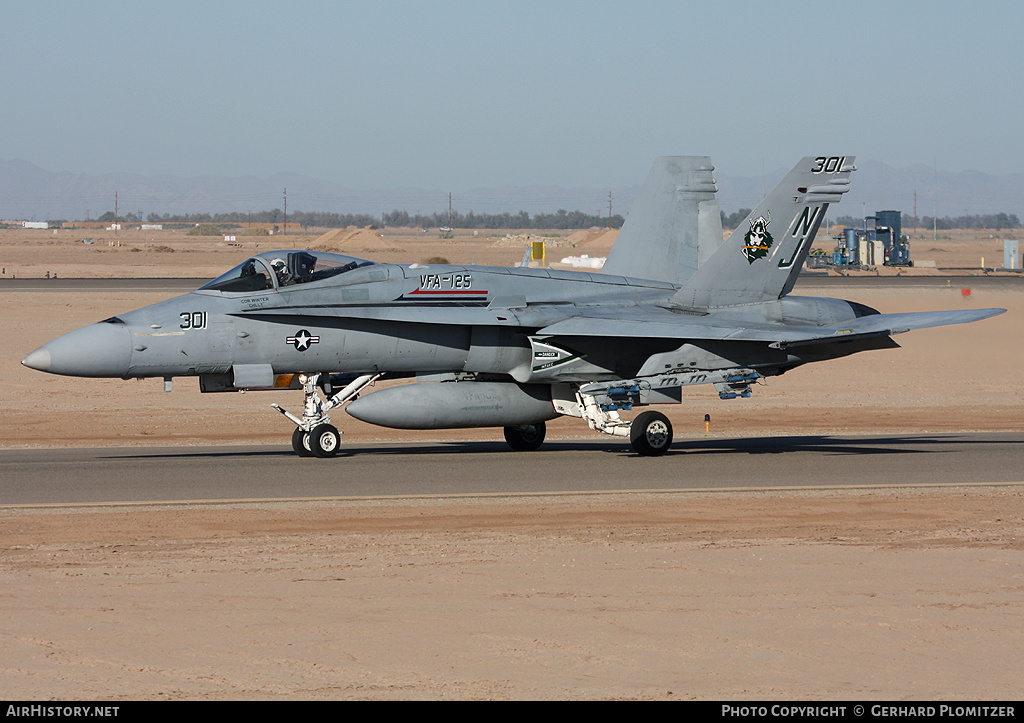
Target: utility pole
pixel 449 209
pixel 609 209
pixel 115 212
pixel 286 210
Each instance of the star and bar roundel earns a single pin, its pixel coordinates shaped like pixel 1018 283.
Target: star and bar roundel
pixel 302 340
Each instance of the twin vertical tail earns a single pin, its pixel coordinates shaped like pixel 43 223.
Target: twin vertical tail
pixel 761 260
pixel 675 224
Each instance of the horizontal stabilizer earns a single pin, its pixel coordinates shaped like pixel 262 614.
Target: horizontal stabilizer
pixel 899 323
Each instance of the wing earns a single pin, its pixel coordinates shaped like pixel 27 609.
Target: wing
pixel 633 322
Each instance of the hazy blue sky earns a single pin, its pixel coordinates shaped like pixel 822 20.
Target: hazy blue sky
pixel 456 95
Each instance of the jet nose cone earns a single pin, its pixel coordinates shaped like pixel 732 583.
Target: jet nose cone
pixel 38 360
pixel 98 350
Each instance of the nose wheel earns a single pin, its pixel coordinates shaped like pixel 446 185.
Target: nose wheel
pixel 300 442
pixel 324 440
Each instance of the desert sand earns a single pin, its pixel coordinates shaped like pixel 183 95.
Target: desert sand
pixel 846 594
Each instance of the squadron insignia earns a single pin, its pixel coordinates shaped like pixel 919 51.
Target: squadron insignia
pixel 757 241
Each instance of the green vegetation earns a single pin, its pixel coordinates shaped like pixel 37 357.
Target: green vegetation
pixel 561 219
pixel 994 221
pixel 276 216
pixel 735 218
pixel 205 229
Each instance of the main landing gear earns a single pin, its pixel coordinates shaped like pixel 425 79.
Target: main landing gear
pixel 527 437
pixel 314 435
pixel 650 434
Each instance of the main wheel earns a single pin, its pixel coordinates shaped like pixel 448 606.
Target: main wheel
pixel 324 441
pixel 651 434
pixel 525 438
pixel 300 442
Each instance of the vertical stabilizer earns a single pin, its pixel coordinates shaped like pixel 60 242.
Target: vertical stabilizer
pixel 674 225
pixel 761 260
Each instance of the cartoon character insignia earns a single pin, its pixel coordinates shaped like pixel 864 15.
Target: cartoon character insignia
pixel 757 241
pixel 302 340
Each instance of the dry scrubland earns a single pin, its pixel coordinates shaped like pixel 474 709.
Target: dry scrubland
pixel 173 253
pixel 881 594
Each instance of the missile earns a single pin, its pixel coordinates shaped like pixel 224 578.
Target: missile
pixel 453 405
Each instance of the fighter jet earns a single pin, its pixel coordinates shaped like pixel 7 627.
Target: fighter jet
pixel 675 306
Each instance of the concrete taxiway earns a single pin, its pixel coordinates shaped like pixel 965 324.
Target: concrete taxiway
pixel 207 474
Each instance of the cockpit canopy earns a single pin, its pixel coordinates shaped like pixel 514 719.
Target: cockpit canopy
pixel 280 269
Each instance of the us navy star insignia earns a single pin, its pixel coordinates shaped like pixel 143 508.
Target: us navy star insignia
pixel 302 340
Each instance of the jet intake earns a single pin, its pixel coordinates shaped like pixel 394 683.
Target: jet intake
pixel 454 405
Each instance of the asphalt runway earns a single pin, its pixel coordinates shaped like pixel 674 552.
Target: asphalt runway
pixel 209 474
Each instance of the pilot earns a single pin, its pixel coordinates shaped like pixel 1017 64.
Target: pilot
pixel 281 269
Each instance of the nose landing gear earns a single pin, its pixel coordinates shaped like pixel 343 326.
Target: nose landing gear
pixel 314 435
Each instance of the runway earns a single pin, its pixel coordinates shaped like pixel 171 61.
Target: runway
pixel 212 474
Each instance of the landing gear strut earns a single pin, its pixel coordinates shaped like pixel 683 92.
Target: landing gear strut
pixel 314 435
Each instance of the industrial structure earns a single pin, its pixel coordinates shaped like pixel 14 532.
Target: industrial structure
pixel 880 243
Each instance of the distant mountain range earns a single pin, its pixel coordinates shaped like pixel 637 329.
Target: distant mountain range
pixel 28 192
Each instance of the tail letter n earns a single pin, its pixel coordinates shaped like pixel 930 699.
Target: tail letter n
pixel 804 225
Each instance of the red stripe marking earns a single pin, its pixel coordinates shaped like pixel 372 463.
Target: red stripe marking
pixel 470 291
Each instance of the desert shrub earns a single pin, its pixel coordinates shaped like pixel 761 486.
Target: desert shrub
pixel 205 229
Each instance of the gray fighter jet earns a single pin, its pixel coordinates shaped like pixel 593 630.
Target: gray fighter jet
pixel 675 306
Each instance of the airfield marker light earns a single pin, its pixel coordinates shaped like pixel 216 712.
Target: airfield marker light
pixel 707 423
